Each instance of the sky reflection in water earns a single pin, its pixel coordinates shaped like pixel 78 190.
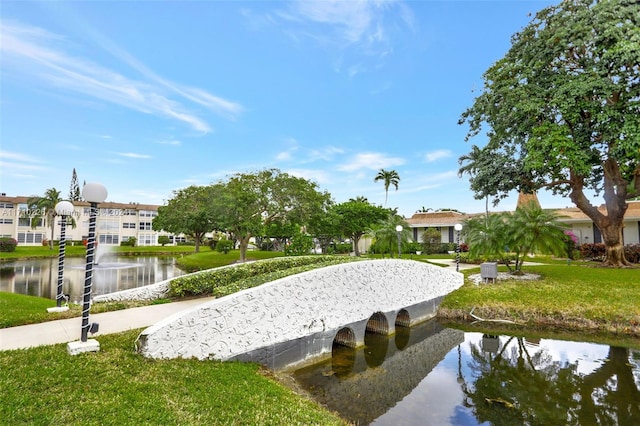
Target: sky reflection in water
pixel 481 379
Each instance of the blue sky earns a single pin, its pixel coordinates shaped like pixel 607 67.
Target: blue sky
pixel 148 97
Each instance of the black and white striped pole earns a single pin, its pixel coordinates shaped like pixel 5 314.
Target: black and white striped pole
pixel 94 193
pixel 399 232
pixel 458 228
pixel 63 209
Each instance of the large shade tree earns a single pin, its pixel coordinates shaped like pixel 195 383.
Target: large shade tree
pixel 562 109
pixel 249 203
pixel 356 217
pixel 189 212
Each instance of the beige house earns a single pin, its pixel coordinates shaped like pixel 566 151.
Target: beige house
pixel 116 223
pixel 581 226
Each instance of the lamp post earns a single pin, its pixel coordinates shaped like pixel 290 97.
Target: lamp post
pixel 94 193
pixel 458 228
pixel 398 231
pixel 63 209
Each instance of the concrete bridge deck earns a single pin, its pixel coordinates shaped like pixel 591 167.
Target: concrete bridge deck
pixel 308 309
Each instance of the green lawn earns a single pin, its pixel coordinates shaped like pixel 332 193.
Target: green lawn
pixel 567 297
pixel 117 386
pixel 34 252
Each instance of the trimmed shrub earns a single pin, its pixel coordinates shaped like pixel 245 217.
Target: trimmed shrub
pixel 131 242
pixel 340 248
pixel 632 253
pixel 224 246
pixel 225 280
pixel 163 240
pixel 301 244
pixel 595 252
pixel 8 244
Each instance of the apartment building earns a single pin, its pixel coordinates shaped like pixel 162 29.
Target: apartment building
pixel 116 223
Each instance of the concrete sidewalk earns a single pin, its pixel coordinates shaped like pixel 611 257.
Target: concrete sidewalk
pixel 68 330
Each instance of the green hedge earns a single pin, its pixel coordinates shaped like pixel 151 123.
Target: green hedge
pixel 227 280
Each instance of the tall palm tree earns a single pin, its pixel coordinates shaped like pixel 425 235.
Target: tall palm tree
pixel 47 207
pixel 389 177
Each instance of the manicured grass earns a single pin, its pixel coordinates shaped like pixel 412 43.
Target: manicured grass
pixel 567 297
pixel 19 309
pixel 117 386
pixel 35 252
pixel 207 258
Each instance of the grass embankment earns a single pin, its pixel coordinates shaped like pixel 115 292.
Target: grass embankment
pixel 117 386
pixel 566 298
pixel 37 252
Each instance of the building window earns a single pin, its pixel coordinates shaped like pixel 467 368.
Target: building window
pixel 145 226
pixel 30 222
pixel 147 240
pixel 148 213
pixel 6 221
pixel 108 239
pixel 130 212
pixel 108 226
pixel 128 225
pixel 6 205
pixel 29 237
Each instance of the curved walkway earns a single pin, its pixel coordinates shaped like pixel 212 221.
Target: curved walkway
pixel 68 330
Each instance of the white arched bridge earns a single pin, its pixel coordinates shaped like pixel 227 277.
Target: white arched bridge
pixel 301 317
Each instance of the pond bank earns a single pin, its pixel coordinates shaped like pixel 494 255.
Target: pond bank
pixel 593 301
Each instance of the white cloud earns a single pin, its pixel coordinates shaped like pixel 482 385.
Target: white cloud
pixel 361 26
pixel 320 177
pixel 371 161
pixel 439 154
pixel 38 54
pixel 173 142
pixel 16 156
pixel 284 156
pixel 327 153
pixel 133 155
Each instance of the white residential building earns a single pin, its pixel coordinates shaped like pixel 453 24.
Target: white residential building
pixel 116 223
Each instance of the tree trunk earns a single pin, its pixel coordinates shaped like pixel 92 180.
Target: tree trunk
pixel 196 237
pixel 355 240
pixel 611 224
pixel 612 238
pixel 244 243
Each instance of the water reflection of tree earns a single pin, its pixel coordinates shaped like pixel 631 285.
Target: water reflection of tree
pixel 513 386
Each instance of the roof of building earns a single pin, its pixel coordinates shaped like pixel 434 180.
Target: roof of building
pixel 105 205
pixel 569 214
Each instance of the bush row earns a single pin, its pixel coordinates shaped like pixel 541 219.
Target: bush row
pixel 598 251
pixel 8 244
pixel 226 280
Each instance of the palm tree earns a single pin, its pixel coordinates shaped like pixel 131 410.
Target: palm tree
pixel 386 236
pixel 501 235
pixel 47 207
pixel 472 167
pixel 389 177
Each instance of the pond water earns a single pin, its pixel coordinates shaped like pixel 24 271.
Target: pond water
pixel 431 375
pixel 39 277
